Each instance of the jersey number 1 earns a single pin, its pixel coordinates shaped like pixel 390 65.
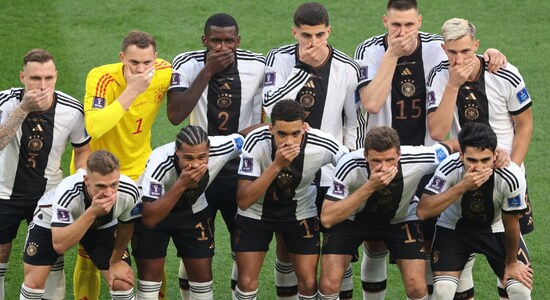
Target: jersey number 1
pixel 138 130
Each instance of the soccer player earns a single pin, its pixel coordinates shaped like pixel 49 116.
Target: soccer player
pixel 219 88
pixel 395 68
pixel 323 80
pixel 276 194
pixel 87 207
pixel 479 208
pixel 373 198
pixel 36 122
pixel 461 91
pixel 121 103
pixel 174 206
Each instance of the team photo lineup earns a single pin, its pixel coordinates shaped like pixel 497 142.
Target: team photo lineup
pixel 391 168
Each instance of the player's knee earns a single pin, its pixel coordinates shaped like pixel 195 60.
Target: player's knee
pixel 309 284
pixel 247 284
pixel 444 287
pixel 119 285
pixel 416 286
pixel 34 283
pixel 516 290
pixel 329 285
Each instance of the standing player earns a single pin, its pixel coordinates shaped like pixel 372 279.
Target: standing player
pixel 276 194
pixel 461 91
pixel 121 103
pixel 174 206
pixel 220 89
pixel 323 80
pixel 36 122
pixel 373 198
pixel 479 208
pixel 87 207
pixel 396 66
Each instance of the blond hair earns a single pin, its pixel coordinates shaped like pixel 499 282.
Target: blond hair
pixel 457 28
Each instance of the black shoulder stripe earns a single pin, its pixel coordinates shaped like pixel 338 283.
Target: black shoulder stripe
pixel 327 143
pixel 255 138
pixel 429 37
pixel 298 80
pixel 185 57
pixel 340 56
pixel 451 165
pixel 222 149
pixel 69 102
pixel 129 189
pixel 349 166
pixel 71 194
pixel 507 75
pixel 288 49
pixel 441 66
pixel 509 177
pixel 163 168
pixel 248 55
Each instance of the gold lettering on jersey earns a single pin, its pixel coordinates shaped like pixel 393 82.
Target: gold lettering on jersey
pixel 225 86
pixel 406 72
pixel 310 84
pixel 307 100
pixel 35 144
pixel 224 101
pixel 471 97
pixel 407 88
pixel 471 112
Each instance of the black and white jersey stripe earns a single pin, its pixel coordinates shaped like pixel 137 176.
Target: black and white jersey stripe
pixel 509 177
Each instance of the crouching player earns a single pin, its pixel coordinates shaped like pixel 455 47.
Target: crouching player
pixel 87 207
pixel 174 206
pixel 479 208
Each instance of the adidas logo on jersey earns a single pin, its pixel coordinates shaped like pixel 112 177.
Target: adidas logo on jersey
pixel 225 86
pixel 310 84
pixel 406 72
pixel 471 97
pixel 38 128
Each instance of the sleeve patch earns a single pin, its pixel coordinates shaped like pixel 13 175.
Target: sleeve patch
pixel 136 211
pixel 431 98
pixel 338 188
pixel 155 189
pixel 437 183
pixel 247 164
pixel 98 102
pixel 522 95
pixel 441 155
pixel 269 79
pixel 363 71
pixel 239 143
pixel 63 215
pixel 175 79
pixel 514 201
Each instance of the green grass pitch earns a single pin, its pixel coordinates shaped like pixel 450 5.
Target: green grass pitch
pixel 84 34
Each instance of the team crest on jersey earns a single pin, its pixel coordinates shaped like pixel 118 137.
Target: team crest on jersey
pixel 522 95
pixel 136 211
pixel 155 189
pixel 239 142
pixel 247 164
pixel 63 215
pixel 98 102
pixel 338 188
pixel 514 201
pixel 32 249
pixel 175 79
pixel 269 79
pixel 440 154
pixel 363 71
pixel 431 98
pixel 437 183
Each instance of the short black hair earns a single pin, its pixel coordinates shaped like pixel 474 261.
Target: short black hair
pixel 312 14
pixel 402 5
pixel 477 135
pixel 288 111
pixel 221 20
pixel 191 135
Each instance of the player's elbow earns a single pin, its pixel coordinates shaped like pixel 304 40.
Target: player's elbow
pixel 421 213
pixel 327 221
pixel 174 118
pixel 436 133
pixel 59 246
pixel 370 106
